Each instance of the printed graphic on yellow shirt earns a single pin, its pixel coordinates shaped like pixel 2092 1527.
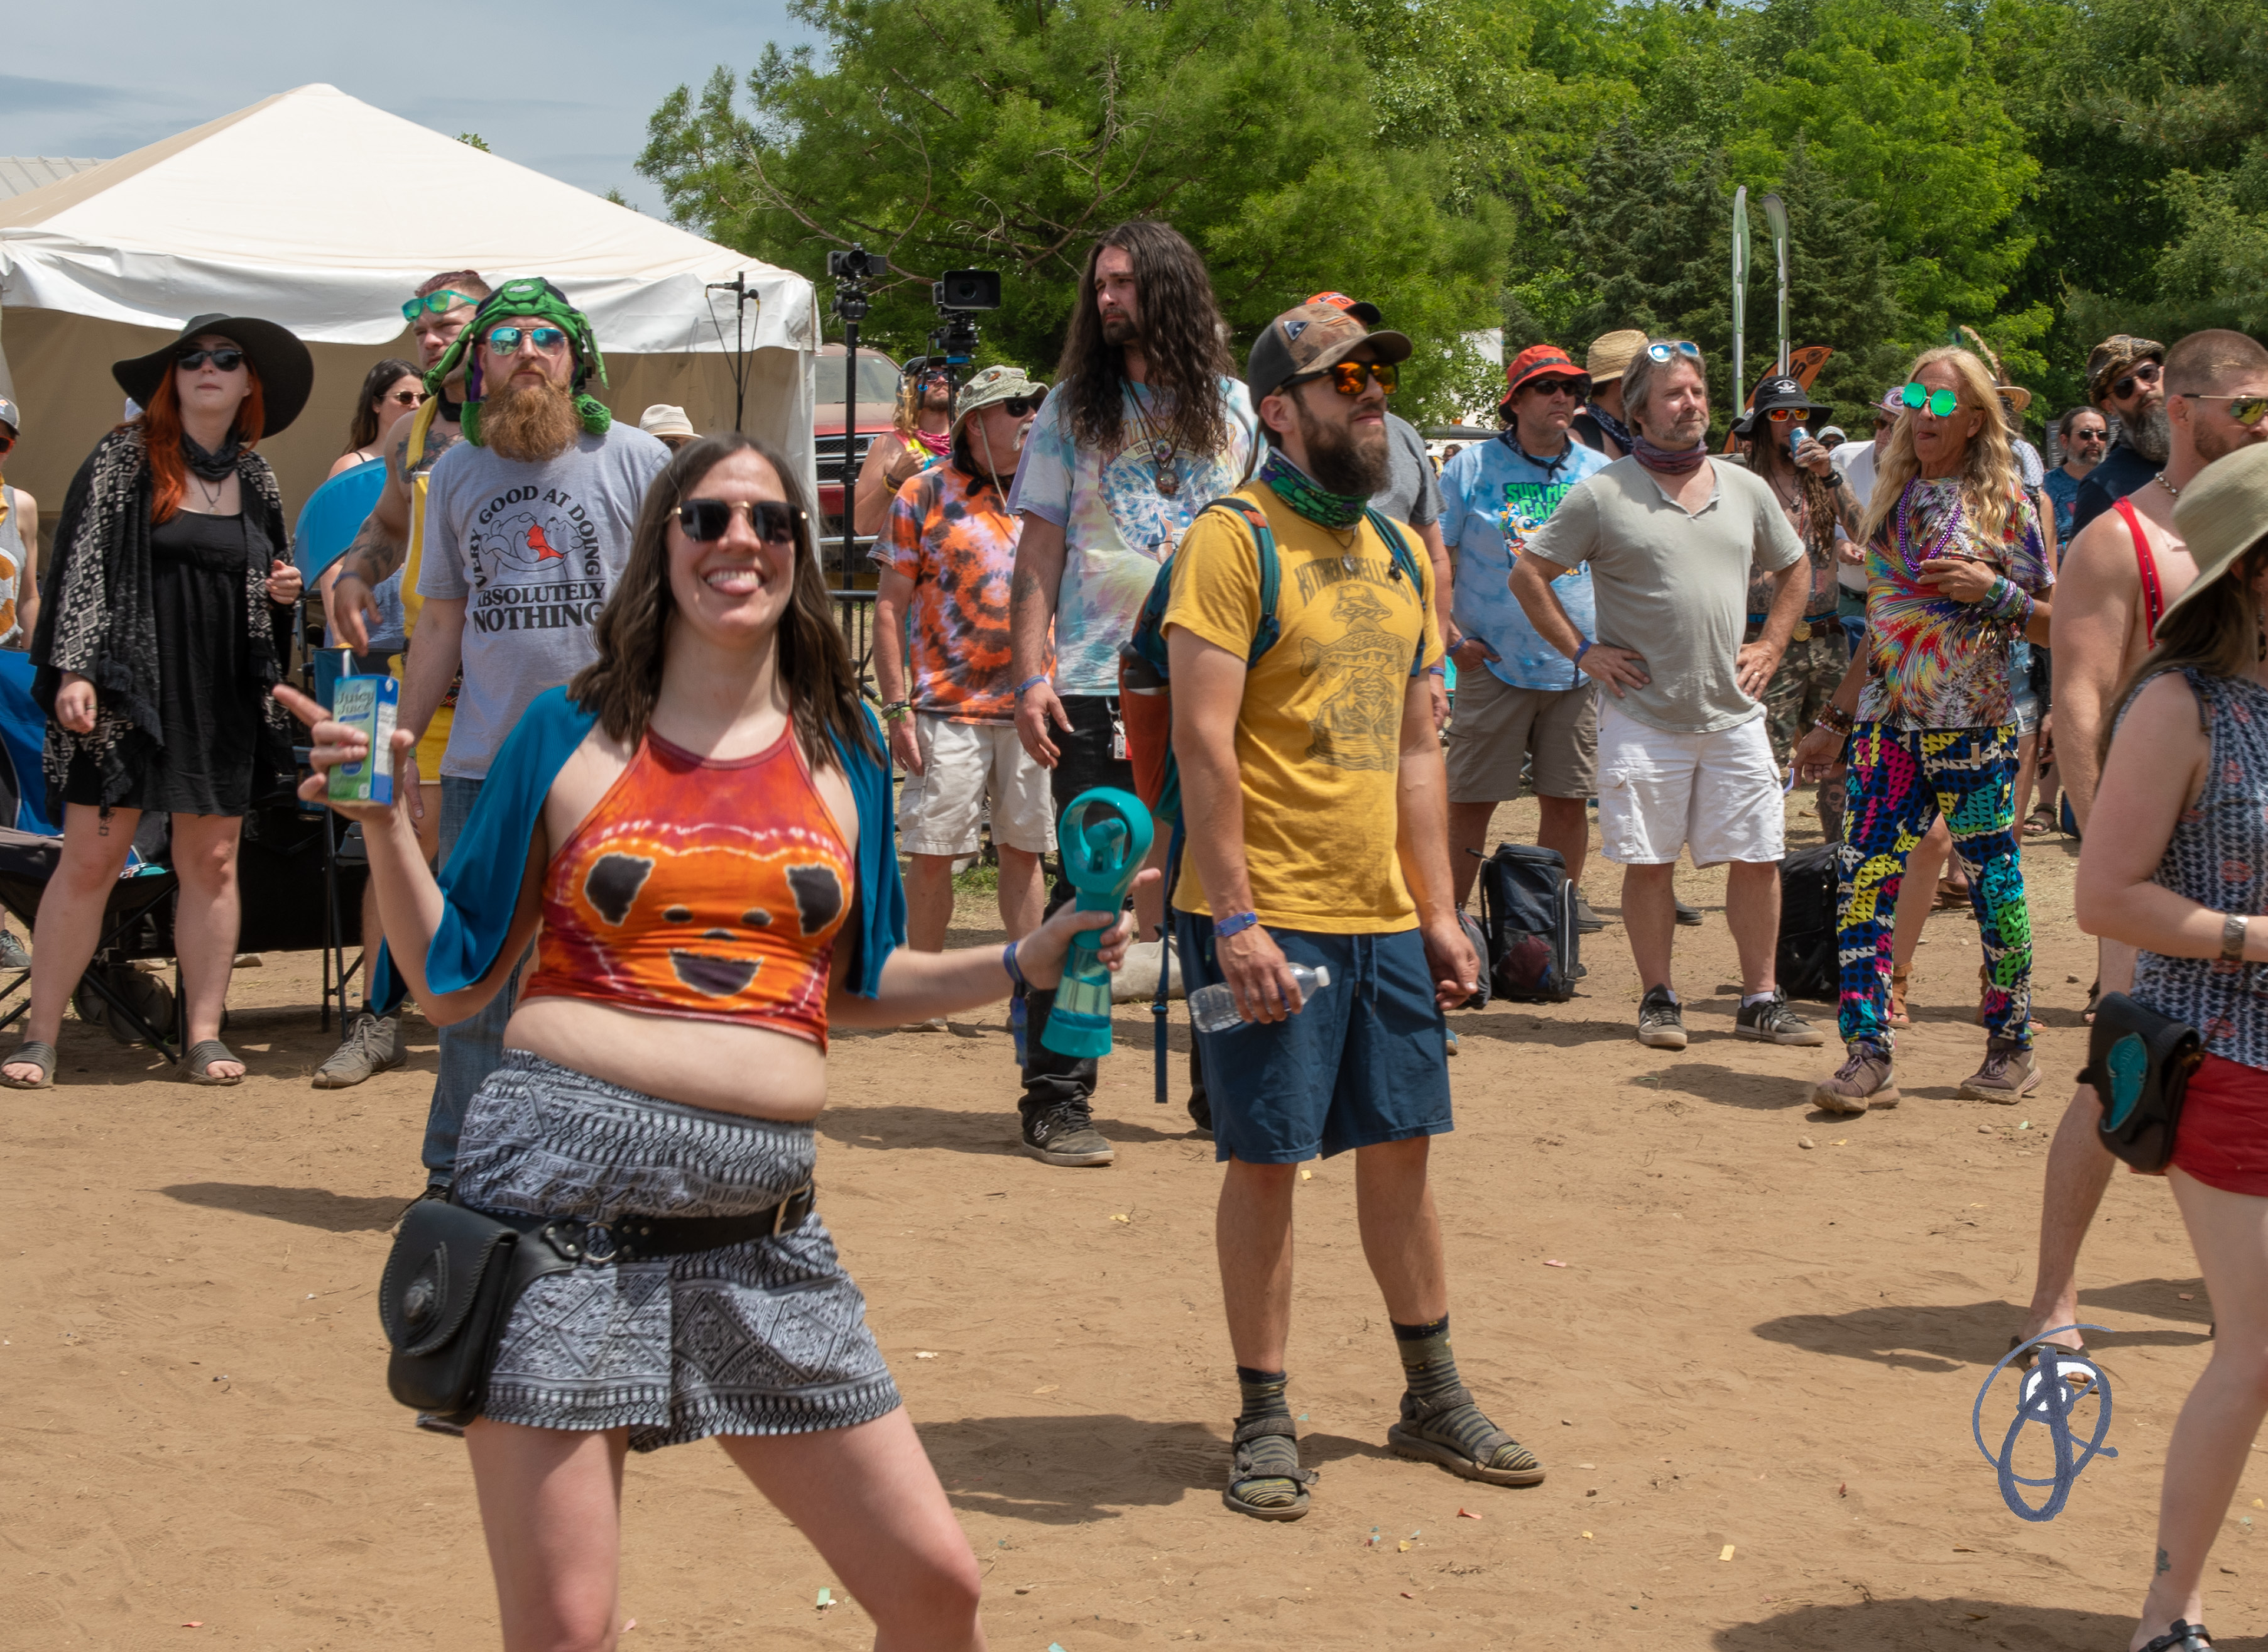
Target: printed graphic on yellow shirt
pixel 1359 724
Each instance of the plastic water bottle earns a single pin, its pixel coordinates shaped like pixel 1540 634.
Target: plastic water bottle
pixel 1213 1009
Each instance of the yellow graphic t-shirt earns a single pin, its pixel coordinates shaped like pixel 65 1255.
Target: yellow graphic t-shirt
pixel 1319 737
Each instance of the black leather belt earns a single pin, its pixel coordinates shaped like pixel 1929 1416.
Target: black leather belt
pixel 645 1238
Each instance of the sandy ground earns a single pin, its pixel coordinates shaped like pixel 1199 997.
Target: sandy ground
pixel 1751 1379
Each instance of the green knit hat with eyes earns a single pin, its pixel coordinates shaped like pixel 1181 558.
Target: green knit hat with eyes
pixel 529 295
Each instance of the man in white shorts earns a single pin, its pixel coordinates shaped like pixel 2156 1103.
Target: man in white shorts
pixel 1683 756
pixel 947 556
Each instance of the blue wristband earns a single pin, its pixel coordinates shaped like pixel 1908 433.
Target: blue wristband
pixel 1028 683
pixel 1235 924
pixel 1015 970
pixel 1576 659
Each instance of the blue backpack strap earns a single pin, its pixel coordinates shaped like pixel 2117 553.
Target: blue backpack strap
pixel 1406 560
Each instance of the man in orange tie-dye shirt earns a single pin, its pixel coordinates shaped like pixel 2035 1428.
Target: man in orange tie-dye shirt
pixel 941 658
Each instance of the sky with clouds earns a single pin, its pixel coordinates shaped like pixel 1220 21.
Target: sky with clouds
pixel 566 89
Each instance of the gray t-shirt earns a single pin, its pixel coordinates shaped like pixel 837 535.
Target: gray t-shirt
pixel 532 551
pixel 1412 493
pixel 1673 588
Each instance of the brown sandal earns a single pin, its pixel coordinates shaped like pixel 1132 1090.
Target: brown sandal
pixel 1898 1015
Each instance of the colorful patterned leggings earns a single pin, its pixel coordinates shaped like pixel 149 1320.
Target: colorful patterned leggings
pixel 1901 778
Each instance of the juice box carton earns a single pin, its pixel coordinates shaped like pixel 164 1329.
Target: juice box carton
pixel 369 703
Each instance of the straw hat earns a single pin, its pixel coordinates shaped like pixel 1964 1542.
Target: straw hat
pixel 2221 514
pixel 1610 355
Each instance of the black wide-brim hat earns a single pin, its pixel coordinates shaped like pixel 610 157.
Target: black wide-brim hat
pixel 287 372
pixel 1775 392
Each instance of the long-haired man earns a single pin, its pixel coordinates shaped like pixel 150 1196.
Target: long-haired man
pixel 1144 428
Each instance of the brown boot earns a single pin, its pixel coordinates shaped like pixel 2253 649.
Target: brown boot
pixel 1863 1081
pixel 2009 1074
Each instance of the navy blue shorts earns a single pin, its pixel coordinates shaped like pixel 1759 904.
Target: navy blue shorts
pixel 1366 1061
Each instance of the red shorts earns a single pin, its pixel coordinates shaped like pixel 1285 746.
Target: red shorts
pixel 2223 1139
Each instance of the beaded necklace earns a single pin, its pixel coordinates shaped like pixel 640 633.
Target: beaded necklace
pixel 1954 521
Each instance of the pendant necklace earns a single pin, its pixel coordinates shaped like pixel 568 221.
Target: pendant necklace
pixel 1166 477
pixel 212 494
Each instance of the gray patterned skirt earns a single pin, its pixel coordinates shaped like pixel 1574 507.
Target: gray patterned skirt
pixel 765 1337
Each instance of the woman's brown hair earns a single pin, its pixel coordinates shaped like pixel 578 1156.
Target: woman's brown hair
pixel 379 381
pixel 621 687
pixel 161 438
pixel 2218 632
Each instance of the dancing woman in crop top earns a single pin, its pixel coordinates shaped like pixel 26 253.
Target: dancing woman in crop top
pixel 697 833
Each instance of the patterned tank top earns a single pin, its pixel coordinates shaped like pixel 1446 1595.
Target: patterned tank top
pixel 699 889
pixel 2217 857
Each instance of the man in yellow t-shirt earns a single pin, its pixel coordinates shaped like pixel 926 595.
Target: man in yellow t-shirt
pixel 1316 809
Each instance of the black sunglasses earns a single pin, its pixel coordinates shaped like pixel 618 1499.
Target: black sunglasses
pixel 707 520
pixel 1017 406
pixel 228 358
pixel 2149 372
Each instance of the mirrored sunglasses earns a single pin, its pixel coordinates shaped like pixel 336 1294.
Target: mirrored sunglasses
pixel 1782 415
pixel 505 340
pixel 2247 410
pixel 436 303
pixel 1942 403
pixel 707 520
pixel 228 359
pixel 1348 378
pixel 1669 348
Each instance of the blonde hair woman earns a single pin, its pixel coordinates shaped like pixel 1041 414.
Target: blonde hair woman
pixel 1957 570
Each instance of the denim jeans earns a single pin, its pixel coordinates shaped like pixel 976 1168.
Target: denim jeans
pixel 471 1049
pixel 1085 762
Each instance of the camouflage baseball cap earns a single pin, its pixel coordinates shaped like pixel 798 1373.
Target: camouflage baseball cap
pixel 2114 358
pixel 1308 339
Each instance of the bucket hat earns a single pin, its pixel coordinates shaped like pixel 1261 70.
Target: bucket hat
pixel 287 372
pixel 1540 361
pixel 1776 391
pixel 2114 358
pixel 663 419
pixel 994 385
pixel 2222 514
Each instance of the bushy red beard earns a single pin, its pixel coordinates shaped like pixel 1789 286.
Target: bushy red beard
pixel 532 422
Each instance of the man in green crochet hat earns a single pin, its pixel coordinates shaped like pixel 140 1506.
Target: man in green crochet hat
pixel 528 525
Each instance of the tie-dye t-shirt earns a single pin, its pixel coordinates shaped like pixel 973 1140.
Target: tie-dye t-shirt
pixel 1934 662
pixel 1493 497
pixel 1118 529
pixel 951 535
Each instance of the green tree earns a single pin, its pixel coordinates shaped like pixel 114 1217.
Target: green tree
pixel 952 133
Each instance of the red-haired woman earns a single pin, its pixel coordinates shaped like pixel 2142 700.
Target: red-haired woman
pixel 165 623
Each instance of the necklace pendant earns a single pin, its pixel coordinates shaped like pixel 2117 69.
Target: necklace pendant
pixel 1169 483
pixel 1348 563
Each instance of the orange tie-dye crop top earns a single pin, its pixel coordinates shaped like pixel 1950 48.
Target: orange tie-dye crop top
pixel 704 889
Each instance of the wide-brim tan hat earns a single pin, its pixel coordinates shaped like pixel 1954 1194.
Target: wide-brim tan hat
pixel 1610 355
pixel 2220 515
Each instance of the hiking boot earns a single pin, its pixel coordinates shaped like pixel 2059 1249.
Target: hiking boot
pixel 12 952
pixel 1586 921
pixel 2008 1075
pixel 1773 1023
pixel 1661 1021
pixel 372 1045
pixel 1863 1081
pixel 1065 1133
pixel 1689 916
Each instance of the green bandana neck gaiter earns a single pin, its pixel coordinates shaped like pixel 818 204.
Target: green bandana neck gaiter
pixel 1308 496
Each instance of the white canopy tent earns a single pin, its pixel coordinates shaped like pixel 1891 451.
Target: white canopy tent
pixel 316 211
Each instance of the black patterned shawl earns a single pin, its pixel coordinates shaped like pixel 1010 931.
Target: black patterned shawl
pixel 97 618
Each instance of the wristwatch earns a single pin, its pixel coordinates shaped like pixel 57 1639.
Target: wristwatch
pixel 2232 936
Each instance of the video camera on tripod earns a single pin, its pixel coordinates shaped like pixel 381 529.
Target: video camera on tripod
pixel 960 297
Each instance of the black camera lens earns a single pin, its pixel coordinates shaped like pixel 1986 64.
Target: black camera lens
pixel 969 290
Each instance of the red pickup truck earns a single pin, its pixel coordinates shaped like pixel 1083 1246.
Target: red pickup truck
pixel 878 396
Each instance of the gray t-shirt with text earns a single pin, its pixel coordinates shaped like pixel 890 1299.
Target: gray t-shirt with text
pixel 1670 587
pixel 532 551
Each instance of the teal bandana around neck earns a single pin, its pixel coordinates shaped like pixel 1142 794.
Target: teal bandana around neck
pixel 1306 496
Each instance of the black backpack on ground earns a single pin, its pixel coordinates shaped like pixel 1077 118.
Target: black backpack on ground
pixel 1806 961
pixel 1528 917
